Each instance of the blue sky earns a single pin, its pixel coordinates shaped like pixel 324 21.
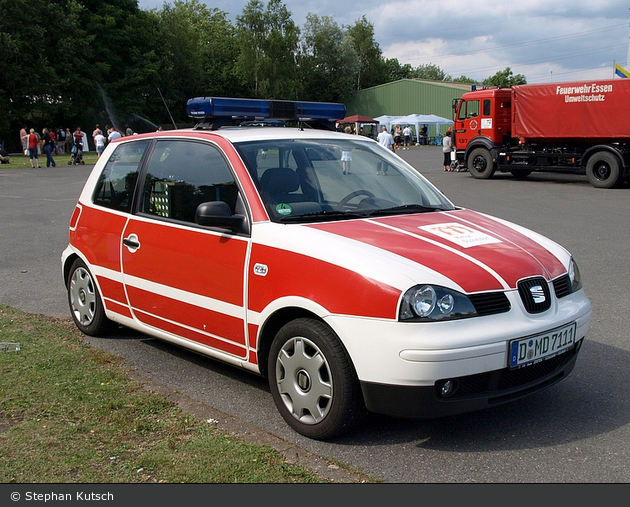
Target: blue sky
pixel 547 41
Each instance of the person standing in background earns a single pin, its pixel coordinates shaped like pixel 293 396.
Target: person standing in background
pixel 96 130
pixel 406 137
pixel 49 145
pixel 69 140
pixel 79 140
pixel 61 141
pixel 115 134
pixel 24 139
pixel 387 140
pixel 99 143
pixel 447 147
pixel 33 145
pixel 397 137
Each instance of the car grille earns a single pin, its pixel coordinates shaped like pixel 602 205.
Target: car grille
pixel 490 303
pixel 535 294
pixel 562 286
pixel 500 385
pixel 530 291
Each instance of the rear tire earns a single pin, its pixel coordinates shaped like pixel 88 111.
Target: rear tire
pixel 312 380
pixel 86 305
pixel 480 164
pixel 603 170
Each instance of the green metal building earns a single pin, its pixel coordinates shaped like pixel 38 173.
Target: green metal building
pixel 407 96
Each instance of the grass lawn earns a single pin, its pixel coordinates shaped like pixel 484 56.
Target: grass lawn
pixel 18 161
pixel 70 413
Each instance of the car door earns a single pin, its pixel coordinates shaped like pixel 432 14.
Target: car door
pixel 180 278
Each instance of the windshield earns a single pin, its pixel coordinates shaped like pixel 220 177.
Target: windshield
pixel 337 178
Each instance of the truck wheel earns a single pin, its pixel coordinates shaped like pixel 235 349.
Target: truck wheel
pixel 312 380
pixel 480 164
pixel 602 170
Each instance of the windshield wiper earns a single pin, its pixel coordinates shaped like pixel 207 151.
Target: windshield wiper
pixel 323 215
pixel 406 208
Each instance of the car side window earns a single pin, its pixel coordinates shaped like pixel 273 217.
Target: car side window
pixel 117 182
pixel 183 174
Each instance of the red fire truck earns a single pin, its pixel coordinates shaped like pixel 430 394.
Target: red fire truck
pixel 579 127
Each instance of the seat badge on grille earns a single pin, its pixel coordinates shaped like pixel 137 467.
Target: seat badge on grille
pixel 538 295
pixel 262 269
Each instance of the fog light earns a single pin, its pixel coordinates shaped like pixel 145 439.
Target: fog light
pixel 446 388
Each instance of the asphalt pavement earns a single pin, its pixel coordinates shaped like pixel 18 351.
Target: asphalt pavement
pixel 575 432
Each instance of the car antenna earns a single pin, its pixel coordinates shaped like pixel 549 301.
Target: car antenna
pixel 169 111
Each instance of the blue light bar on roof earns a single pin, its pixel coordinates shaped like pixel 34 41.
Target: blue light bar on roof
pixel 222 107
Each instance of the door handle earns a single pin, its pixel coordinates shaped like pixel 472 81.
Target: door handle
pixel 131 242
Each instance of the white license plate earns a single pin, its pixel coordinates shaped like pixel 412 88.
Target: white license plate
pixel 541 346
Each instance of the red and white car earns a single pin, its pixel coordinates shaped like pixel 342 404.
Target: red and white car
pixel 347 291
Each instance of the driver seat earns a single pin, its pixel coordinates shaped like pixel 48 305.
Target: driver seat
pixel 280 184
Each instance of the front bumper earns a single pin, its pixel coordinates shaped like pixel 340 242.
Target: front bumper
pixel 471 392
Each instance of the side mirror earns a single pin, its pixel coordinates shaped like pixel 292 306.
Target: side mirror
pixel 217 214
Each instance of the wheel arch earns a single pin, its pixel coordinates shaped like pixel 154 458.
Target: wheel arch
pixel 623 156
pixel 619 155
pixel 67 264
pixel 482 142
pixel 270 329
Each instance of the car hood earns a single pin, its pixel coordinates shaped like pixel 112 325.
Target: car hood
pixel 473 251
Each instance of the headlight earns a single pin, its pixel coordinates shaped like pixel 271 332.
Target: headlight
pixel 574 275
pixel 432 302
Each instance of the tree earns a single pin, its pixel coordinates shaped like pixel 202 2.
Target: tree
pixel 268 40
pixel 327 60
pixel 464 79
pixel 395 71
pixel 372 69
pixel 431 72
pixel 40 61
pixel 125 57
pixel 505 78
pixel 200 44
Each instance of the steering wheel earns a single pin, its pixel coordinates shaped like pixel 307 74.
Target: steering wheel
pixel 352 195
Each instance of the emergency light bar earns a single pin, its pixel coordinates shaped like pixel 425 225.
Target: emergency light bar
pixel 222 109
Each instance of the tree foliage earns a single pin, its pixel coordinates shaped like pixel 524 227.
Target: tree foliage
pixel 82 62
pixel 505 78
pixel 327 61
pixel 268 39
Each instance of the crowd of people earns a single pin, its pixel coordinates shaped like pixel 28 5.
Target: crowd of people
pixel 61 141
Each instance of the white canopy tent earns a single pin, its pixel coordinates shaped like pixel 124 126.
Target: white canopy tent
pixel 414 120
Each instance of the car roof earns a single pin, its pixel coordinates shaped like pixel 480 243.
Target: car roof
pixel 244 134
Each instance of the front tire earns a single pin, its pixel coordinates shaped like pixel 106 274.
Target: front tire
pixel 480 164
pixel 312 380
pixel 86 305
pixel 603 171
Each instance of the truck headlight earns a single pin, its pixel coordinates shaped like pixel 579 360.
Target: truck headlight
pixel 432 302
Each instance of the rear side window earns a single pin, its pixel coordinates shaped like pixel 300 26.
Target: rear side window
pixel 117 182
pixel 486 107
pixel 183 174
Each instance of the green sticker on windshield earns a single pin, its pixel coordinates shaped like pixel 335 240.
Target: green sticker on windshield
pixel 284 209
